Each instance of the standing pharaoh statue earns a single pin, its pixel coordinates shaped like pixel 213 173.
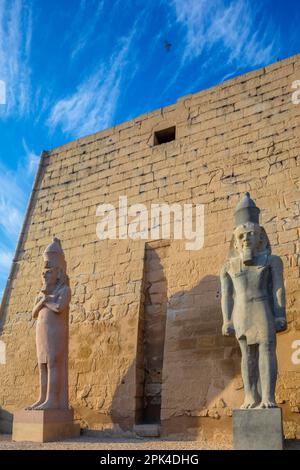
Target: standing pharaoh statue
pixel 51 311
pixel 253 304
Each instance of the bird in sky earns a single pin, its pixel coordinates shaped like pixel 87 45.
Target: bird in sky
pixel 167 46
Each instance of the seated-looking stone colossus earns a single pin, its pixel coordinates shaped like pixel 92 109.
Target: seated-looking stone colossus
pixel 253 304
pixel 51 310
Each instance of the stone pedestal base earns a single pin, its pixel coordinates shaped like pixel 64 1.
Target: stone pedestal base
pixel 44 425
pixel 257 429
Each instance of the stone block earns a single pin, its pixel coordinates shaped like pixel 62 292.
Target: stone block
pixel 44 425
pixel 257 429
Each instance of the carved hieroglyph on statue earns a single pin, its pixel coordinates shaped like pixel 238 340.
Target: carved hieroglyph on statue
pixel 51 310
pixel 253 304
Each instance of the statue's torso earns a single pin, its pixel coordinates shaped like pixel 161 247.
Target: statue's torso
pixel 52 334
pixel 252 312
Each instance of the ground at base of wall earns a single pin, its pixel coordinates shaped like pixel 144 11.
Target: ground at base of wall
pixel 110 443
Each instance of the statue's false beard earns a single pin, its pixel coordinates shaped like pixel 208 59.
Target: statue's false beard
pixel 47 287
pixel 247 256
pixel 44 288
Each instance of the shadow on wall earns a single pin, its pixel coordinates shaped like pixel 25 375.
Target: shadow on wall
pixel 5 422
pixel 200 364
pixel 200 381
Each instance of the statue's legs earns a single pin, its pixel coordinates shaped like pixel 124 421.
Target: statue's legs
pixel 43 387
pixel 53 388
pixel 249 368
pixel 64 386
pixel 268 373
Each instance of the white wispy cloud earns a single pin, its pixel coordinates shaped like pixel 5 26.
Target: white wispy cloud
pixel 6 257
pixel 92 106
pixel 31 159
pixel 89 29
pixel 12 202
pixel 15 43
pixel 243 36
pixel 14 193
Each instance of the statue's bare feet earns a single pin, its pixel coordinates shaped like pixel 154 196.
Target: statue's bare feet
pixel 249 402
pixel 34 405
pixel 267 404
pixel 48 405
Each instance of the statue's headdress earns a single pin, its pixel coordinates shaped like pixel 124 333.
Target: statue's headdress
pixel 54 253
pixel 246 211
pixel 55 256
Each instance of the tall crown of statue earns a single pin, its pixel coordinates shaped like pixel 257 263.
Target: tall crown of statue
pixel 246 211
pixel 54 253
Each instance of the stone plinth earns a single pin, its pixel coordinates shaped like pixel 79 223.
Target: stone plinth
pixel 257 429
pixel 44 425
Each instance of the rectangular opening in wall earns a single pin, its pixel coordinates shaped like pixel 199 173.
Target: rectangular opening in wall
pixel 165 135
pixel 151 340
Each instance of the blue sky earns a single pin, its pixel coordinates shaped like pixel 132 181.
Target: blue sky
pixel 74 67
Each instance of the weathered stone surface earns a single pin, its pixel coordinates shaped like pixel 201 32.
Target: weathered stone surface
pixel 259 429
pixel 44 425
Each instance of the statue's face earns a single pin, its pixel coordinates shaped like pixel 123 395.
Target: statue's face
pixel 247 237
pixel 50 274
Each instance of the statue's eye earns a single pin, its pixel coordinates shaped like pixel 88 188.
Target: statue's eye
pixel 241 236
